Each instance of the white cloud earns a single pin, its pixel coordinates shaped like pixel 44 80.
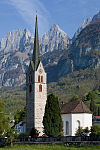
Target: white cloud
pixel 27 9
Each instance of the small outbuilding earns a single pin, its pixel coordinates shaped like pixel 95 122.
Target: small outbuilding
pixel 75 114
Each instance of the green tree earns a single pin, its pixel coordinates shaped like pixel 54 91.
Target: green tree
pixel 75 98
pixel 95 130
pixel 82 132
pixel 86 131
pixel 11 135
pixel 4 123
pixel 20 115
pixel 90 96
pixel 79 132
pixel 52 118
pixel 93 107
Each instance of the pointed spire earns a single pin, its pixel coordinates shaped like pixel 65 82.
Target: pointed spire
pixel 36 51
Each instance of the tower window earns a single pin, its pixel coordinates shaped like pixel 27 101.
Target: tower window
pixel 41 78
pixel 40 88
pixel 30 88
pixel 38 78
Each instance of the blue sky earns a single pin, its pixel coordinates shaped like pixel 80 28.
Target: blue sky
pixel 68 14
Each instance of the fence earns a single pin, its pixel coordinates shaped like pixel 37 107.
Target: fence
pixel 69 140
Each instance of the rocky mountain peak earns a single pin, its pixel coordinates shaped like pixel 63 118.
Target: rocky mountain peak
pixel 96 16
pixel 83 25
pixel 54 39
pixel 15 40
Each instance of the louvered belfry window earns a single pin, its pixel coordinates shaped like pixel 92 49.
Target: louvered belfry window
pixel 39 78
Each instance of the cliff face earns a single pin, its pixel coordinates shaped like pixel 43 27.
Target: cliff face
pixel 85 48
pixel 54 39
pixel 16 49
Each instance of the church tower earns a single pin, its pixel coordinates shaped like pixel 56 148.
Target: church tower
pixel 36 89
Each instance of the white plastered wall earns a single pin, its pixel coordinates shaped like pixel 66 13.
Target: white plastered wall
pixel 85 120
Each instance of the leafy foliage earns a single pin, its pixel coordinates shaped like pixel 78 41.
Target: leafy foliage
pixel 13 98
pixel 82 132
pixel 20 115
pixel 11 134
pixel 75 98
pixel 4 123
pixel 34 133
pixel 95 130
pixel 52 118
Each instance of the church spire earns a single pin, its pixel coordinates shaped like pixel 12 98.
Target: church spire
pixel 36 51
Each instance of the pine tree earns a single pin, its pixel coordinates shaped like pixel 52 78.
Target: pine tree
pixel 52 118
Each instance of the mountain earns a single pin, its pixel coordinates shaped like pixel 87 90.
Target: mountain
pixel 96 16
pixel 54 39
pixel 16 49
pixel 58 55
pixel 83 25
pixel 85 50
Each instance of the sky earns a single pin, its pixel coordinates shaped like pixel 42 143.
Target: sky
pixel 68 14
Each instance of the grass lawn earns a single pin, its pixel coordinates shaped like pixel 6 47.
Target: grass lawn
pixel 49 147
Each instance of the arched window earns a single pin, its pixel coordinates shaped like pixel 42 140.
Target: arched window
pixel 39 78
pixel 67 128
pixel 40 88
pixel 78 123
pixel 30 88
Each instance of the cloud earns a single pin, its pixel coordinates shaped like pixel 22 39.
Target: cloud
pixel 27 9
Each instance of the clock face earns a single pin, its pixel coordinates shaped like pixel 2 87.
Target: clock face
pixel 40 71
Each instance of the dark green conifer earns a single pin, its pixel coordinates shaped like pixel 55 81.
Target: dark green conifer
pixel 52 118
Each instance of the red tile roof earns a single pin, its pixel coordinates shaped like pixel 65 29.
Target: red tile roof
pixel 74 107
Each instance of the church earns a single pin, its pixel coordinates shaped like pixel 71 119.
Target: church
pixel 73 114
pixel 36 89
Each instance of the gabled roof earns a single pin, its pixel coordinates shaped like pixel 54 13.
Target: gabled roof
pixel 74 107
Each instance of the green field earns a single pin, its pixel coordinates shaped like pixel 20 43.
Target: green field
pixel 48 147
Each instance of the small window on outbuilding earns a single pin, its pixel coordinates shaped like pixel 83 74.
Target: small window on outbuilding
pixel 67 128
pixel 78 123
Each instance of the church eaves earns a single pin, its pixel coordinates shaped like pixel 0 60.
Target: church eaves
pixel 36 51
